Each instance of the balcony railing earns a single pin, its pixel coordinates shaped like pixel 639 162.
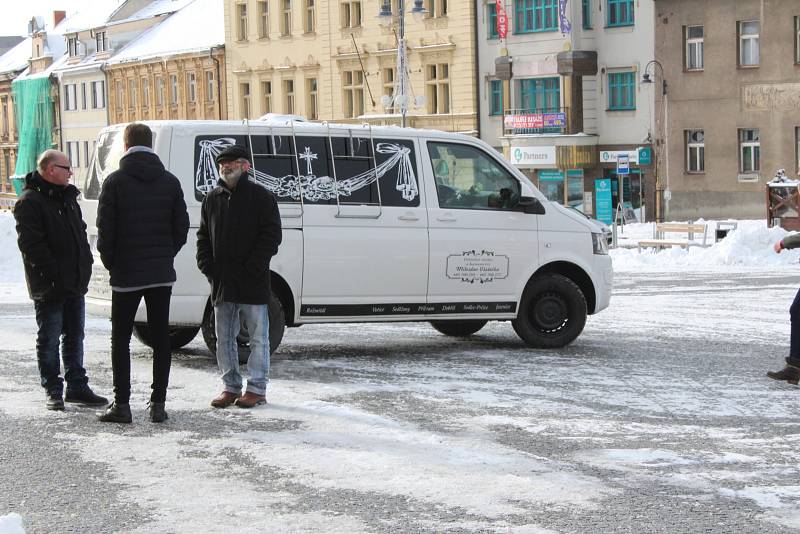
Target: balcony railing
pixel 527 121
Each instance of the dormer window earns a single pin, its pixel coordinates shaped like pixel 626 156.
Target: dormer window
pixel 72 46
pixel 102 42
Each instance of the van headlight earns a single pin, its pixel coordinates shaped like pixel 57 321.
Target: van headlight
pixel 599 244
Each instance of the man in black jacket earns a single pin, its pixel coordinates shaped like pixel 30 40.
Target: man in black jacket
pixel 142 223
pixel 58 265
pixel 240 230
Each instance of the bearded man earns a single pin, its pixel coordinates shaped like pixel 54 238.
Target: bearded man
pixel 240 230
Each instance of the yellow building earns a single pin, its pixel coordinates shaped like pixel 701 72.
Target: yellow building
pixel 175 70
pixel 332 60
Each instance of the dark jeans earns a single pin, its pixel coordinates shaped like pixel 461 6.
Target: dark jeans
pixel 60 321
pixel 794 343
pixel 123 311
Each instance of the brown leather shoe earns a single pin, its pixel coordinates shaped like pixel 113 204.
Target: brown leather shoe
pixel 250 400
pixel 224 399
pixel 790 373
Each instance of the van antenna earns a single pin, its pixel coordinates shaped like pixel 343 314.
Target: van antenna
pixel 366 80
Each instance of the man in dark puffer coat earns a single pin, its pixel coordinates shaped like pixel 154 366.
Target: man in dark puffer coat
pixel 58 265
pixel 142 223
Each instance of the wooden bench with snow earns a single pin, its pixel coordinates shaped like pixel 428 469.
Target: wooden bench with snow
pixel 689 235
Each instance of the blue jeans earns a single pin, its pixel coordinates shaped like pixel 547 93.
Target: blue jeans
pixel 60 322
pixel 256 320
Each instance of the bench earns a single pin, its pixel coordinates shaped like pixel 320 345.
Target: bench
pixel 687 231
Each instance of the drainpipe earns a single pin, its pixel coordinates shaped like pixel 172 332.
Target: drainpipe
pixel 57 109
pixel 477 73
pixel 106 91
pixel 219 82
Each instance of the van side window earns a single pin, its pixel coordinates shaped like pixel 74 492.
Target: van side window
pixel 315 177
pixel 397 168
pixel 468 178
pixel 206 148
pixel 352 160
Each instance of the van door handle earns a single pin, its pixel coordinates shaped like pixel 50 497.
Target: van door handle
pixel 447 217
pixel 408 217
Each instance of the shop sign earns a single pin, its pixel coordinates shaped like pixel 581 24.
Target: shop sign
pixel 645 155
pixel 533 121
pixel 530 156
pixel 605 211
pixel 611 156
pixel 551 176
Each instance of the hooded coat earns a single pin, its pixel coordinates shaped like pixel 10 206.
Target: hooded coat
pixel 52 239
pixel 142 222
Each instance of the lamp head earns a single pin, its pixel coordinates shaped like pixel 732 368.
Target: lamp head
pixel 646 78
pixel 385 14
pixel 418 11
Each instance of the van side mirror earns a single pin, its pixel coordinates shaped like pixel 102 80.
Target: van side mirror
pixel 530 205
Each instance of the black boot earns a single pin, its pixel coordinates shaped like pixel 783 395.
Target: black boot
pixel 790 373
pixel 116 413
pixel 85 396
pixel 157 412
pixel 55 402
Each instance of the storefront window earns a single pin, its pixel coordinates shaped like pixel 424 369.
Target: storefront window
pixel 551 184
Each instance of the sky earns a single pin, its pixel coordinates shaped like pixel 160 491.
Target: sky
pixel 17 14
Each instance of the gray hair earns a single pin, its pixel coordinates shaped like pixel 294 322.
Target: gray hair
pixel 46 158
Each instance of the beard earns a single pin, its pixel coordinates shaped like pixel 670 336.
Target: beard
pixel 232 177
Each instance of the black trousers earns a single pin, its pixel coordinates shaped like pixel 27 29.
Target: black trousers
pixel 123 311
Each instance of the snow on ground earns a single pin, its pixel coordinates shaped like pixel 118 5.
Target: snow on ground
pixel 11 524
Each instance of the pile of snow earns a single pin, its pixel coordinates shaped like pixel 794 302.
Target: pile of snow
pixel 11 524
pixel 749 245
pixel 12 281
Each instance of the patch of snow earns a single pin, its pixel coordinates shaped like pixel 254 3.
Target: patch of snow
pixel 11 524
pixel 12 283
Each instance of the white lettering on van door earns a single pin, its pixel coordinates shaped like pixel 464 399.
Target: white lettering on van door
pixel 472 266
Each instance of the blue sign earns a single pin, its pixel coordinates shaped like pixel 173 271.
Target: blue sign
pixel 550 176
pixel 602 195
pixel 645 155
pixel 623 165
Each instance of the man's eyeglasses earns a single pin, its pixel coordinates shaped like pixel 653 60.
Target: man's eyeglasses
pixel 65 167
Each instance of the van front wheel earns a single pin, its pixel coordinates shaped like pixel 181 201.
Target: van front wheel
pixel 552 312
pixel 277 325
pixel 458 328
pixel 179 336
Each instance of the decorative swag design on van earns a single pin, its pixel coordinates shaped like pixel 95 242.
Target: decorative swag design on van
pixel 353 155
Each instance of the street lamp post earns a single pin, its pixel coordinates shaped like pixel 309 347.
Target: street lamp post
pixel 400 97
pixel 666 194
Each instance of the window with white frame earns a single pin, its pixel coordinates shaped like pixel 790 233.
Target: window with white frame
pixel 437 88
pixel 72 46
pixel 132 96
pixel 312 112
pixel 388 82
pixel 209 86
pixel 241 22
pixel 351 14
pixel 694 47
pixel 308 22
pixel 118 89
pixel 4 104
pixel 286 18
pixel 86 154
pixel 263 19
pixel 173 89
pixel 244 100
pixel 353 91
pixel 70 98
pixel 73 153
pixel 83 95
pixel 695 151
pixel 288 96
pixel 749 150
pixel 191 87
pixel 748 43
pixel 266 97
pixel 160 90
pixel 101 42
pixel 99 94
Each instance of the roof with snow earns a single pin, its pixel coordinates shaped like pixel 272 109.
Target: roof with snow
pixel 195 28
pixel 17 58
pixel 89 18
pixel 153 9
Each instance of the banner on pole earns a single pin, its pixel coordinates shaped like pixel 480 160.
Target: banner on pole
pixel 502 19
pixel 563 20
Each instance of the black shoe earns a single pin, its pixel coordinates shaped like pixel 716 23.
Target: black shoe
pixel 86 397
pixel 789 373
pixel 54 402
pixel 157 412
pixel 116 413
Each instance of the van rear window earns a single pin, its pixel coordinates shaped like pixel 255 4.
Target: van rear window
pixel 110 148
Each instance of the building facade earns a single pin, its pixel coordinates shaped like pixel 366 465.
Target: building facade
pixel 574 102
pixel 12 63
pixel 332 60
pixel 733 101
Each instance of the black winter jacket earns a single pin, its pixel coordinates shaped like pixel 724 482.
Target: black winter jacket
pixel 142 222
pixel 52 239
pixel 240 231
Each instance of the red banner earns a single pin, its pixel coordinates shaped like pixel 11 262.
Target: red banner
pixel 502 19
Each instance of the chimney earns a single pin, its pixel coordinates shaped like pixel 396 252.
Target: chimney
pixel 58 16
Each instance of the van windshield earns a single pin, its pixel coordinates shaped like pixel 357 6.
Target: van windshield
pixel 110 148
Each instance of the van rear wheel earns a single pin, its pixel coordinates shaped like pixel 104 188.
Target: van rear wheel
pixel 458 328
pixel 179 336
pixel 277 326
pixel 552 312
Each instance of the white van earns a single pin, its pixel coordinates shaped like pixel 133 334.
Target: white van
pixel 379 224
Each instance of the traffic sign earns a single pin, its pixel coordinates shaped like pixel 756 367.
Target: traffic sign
pixel 623 165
